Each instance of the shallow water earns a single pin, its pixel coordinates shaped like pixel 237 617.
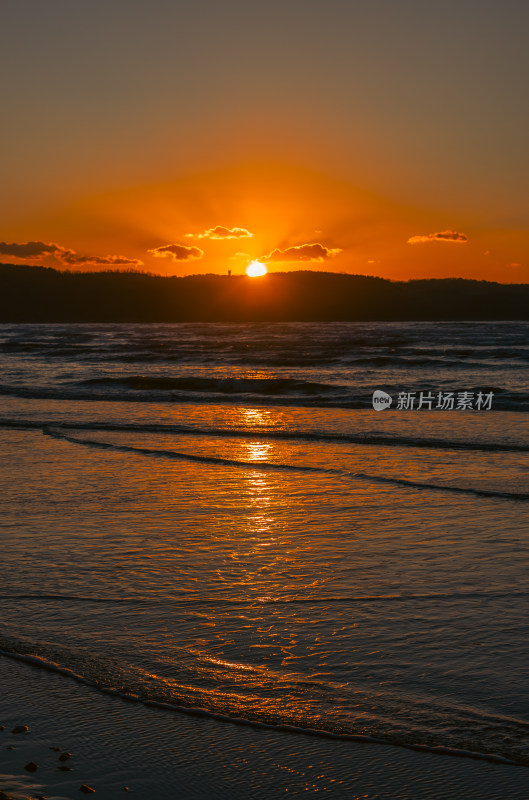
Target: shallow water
pixel 267 551
pixel 159 754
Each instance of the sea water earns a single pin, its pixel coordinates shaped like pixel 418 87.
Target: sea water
pixel 214 518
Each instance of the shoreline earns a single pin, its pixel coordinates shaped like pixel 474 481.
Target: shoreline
pixel 42 663
pixel 118 747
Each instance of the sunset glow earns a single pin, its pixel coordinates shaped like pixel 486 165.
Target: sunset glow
pixel 380 157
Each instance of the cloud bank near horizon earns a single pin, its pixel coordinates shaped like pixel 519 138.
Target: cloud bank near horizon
pixel 35 250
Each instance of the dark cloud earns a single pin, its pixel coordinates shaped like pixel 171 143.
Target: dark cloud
pixel 178 252
pixel 116 261
pixel 32 249
pixel 220 232
pixel 443 236
pixel 302 252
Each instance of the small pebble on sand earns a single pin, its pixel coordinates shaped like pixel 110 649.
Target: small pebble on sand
pixel 65 756
pixel 20 729
pixel 31 767
pixel 86 789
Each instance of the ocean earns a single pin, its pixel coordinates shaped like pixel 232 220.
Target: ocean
pixel 213 519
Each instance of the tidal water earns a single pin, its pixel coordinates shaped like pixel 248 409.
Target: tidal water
pixel 214 518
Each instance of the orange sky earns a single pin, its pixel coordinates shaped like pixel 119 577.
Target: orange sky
pixel 343 139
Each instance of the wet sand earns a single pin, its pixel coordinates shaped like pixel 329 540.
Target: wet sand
pixel 122 749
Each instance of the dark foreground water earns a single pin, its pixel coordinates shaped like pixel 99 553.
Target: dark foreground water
pixel 214 517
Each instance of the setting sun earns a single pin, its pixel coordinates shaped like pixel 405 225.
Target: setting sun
pixel 255 269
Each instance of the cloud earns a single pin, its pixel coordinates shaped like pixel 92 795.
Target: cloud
pixel 178 252
pixel 32 250
pixel 220 232
pixel 240 255
pixel 302 252
pixel 73 259
pixel 443 236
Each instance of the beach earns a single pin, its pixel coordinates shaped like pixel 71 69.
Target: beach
pixel 256 584
pixel 115 744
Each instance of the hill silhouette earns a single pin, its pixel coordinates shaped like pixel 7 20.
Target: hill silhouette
pixel 42 294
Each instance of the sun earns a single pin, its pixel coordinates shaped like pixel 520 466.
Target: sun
pixel 255 269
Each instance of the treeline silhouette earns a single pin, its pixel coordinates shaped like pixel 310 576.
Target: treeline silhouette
pixel 42 294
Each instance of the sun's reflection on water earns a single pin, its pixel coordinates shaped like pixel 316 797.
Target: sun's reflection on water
pixel 262 564
pixel 254 417
pixel 256 451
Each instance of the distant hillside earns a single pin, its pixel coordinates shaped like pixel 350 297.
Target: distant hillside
pixel 40 294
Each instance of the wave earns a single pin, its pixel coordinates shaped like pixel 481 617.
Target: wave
pixel 270 391
pixel 521 496
pixel 272 386
pixel 363 345
pixel 311 600
pixel 264 391
pixel 268 466
pixel 68 598
pixel 406 740
pixel 375 440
